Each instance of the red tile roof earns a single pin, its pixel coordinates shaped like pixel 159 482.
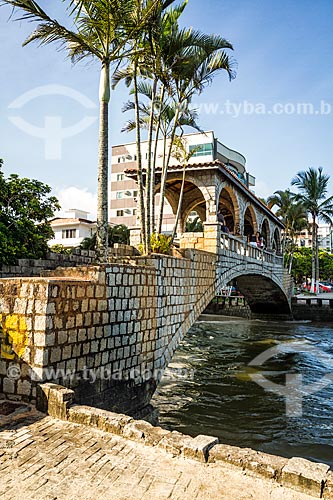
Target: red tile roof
pixel 59 220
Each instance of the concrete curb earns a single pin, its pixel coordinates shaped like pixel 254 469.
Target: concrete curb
pixel 296 473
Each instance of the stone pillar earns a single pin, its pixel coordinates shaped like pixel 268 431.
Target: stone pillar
pixel 135 236
pixel 212 237
pixel 210 195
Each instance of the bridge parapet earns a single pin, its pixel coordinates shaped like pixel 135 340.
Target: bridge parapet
pixel 240 246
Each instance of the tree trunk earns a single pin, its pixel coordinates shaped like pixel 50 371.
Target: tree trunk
pixel 103 167
pixel 180 202
pixel 164 175
pixel 158 126
pixel 317 260
pixel 313 256
pixel 149 187
pixel 141 206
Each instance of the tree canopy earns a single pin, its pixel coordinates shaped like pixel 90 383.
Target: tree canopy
pixel 25 211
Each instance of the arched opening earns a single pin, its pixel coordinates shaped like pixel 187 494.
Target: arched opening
pixel 265 233
pixel 263 295
pixel 227 206
pixel 193 201
pixel 277 241
pixel 250 222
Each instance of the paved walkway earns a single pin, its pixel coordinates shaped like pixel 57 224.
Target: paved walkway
pixel 47 459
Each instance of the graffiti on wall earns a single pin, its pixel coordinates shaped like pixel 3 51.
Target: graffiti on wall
pixel 13 336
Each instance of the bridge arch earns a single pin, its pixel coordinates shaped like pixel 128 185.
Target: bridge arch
pixel 276 241
pixel 266 233
pixel 250 220
pixel 262 290
pixel 227 202
pixel 193 198
pixel 197 207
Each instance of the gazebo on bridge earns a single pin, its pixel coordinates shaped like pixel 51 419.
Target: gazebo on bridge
pixel 210 187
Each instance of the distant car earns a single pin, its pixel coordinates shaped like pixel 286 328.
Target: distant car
pixel 324 287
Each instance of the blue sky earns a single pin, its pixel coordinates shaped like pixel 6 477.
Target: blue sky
pixel 284 60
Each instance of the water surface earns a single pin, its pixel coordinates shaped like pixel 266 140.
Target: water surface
pixel 208 387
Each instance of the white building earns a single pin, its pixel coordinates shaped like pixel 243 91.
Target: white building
pixel 325 237
pixel 69 231
pixel 123 206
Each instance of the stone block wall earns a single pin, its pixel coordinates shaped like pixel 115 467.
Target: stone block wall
pixel 79 257
pixel 107 332
pixel 34 267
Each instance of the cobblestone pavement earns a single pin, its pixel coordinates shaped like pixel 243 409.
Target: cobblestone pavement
pixel 47 459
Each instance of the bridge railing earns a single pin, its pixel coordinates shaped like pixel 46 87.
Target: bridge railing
pixel 240 247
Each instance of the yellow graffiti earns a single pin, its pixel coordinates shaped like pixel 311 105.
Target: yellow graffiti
pixel 13 336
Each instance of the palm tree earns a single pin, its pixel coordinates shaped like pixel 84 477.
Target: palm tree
pixel 284 201
pixel 191 60
pixel 292 213
pixel 179 63
pixel 313 186
pixel 100 30
pixel 296 221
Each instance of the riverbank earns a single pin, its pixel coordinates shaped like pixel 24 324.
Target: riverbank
pixel 313 307
pixel 309 307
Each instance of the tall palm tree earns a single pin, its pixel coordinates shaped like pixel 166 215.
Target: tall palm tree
pixel 179 63
pixel 100 29
pixel 296 221
pixel 313 186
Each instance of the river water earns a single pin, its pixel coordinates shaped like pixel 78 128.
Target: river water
pixel 209 388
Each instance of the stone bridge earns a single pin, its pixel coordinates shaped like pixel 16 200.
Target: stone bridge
pixel 108 332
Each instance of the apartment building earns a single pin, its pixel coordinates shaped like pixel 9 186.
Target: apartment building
pixel 325 237
pixel 123 206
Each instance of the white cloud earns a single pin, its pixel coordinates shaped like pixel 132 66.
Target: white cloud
pixel 81 199
pixel 262 189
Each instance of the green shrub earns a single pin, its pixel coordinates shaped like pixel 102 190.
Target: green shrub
pixel 160 243
pixel 61 249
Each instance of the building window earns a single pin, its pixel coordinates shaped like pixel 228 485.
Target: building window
pixel 69 233
pixel 119 159
pixel 119 195
pixel 203 149
pixel 134 211
pixel 120 177
pixel 135 194
pixel 135 157
pixel 120 213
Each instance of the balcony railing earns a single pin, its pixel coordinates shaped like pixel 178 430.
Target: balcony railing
pixel 237 245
